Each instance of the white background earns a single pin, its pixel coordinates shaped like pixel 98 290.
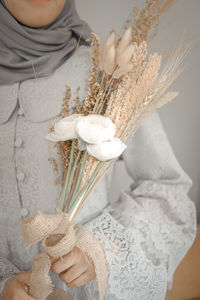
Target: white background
pixel 181 117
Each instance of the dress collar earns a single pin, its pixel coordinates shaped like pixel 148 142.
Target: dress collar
pixel 41 99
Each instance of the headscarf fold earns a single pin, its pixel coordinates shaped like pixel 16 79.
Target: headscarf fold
pixel 26 52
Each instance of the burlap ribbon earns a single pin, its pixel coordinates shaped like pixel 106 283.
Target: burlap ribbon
pixel 59 236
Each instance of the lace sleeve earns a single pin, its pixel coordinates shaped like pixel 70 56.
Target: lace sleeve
pixel 148 231
pixel 7 270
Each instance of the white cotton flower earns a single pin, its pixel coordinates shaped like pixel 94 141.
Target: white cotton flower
pixel 101 58
pixel 53 137
pixel 107 150
pixel 95 129
pixel 65 129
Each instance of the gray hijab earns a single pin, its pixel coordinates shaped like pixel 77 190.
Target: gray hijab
pixel 45 48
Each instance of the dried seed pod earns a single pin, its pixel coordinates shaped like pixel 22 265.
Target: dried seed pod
pixel 125 41
pixel 126 56
pixel 122 71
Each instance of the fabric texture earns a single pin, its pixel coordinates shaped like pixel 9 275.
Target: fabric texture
pixel 145 233
pixel 25 51
pixel 59 236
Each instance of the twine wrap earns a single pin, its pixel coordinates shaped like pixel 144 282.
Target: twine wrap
pixel 59 236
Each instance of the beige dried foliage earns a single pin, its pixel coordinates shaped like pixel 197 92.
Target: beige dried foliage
pixel 101 59
pixel 170 72
pixel 65 104
pixel 156 96
pixel 126 56
pixel 93 89
pixel 54 164
pixel 102 53
pixel 125 102
pixel 122 71
pixel 138 59
pixel 57 181
pixel 109 60
pixel 167 98
pixel 126 93
pixel 124 41
pixel 110 41
pixel 147 17
pixel 141 89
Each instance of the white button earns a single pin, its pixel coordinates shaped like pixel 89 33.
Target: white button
pixel 20 176
pixel 20 111
pixel 18 142
pixel 24 212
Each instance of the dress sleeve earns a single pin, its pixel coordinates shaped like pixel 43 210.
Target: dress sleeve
pixel 7 271
pixel 148 231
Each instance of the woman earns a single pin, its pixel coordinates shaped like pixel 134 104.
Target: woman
pixel 146 233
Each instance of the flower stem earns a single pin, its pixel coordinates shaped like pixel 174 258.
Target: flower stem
pixel 70 181
pixel 85 188
pixel 83 162
pixel 67 175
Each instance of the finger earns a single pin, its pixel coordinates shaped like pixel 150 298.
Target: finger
pixel 81 280
pixel 53 260
pixel 66 262
pixel 24 281
pixel 73 273
pixel 24 277
pixel 21 292
pixel 27 297
pixel 19 295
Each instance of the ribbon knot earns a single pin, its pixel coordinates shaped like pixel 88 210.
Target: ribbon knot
pixel 59 236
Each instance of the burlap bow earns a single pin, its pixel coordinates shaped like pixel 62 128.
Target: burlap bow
pixel 59 236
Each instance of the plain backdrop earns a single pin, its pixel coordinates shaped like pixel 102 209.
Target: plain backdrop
pixel 181 117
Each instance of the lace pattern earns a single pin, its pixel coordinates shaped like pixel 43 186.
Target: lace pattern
pixel 145 234
pixel 7 270
pixel 132 274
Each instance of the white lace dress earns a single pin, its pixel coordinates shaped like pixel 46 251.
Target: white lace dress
pixel 145 234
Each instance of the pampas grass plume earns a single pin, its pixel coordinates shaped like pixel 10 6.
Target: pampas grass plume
pixel 122 71
pixel 110 41
pixel 125 41
pixel 109 61
pixel 102 55
pixel 126 56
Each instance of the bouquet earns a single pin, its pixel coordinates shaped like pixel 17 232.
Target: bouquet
pixel 125 84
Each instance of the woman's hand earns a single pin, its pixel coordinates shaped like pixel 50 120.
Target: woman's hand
pixel 75 268
pixel 17 287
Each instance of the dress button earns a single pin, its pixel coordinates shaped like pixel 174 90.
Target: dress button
pixel 18 142
pixel 20 175
pixel 24 212
pixel 20 111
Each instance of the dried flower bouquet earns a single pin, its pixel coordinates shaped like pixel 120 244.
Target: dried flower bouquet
pixel 125 85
